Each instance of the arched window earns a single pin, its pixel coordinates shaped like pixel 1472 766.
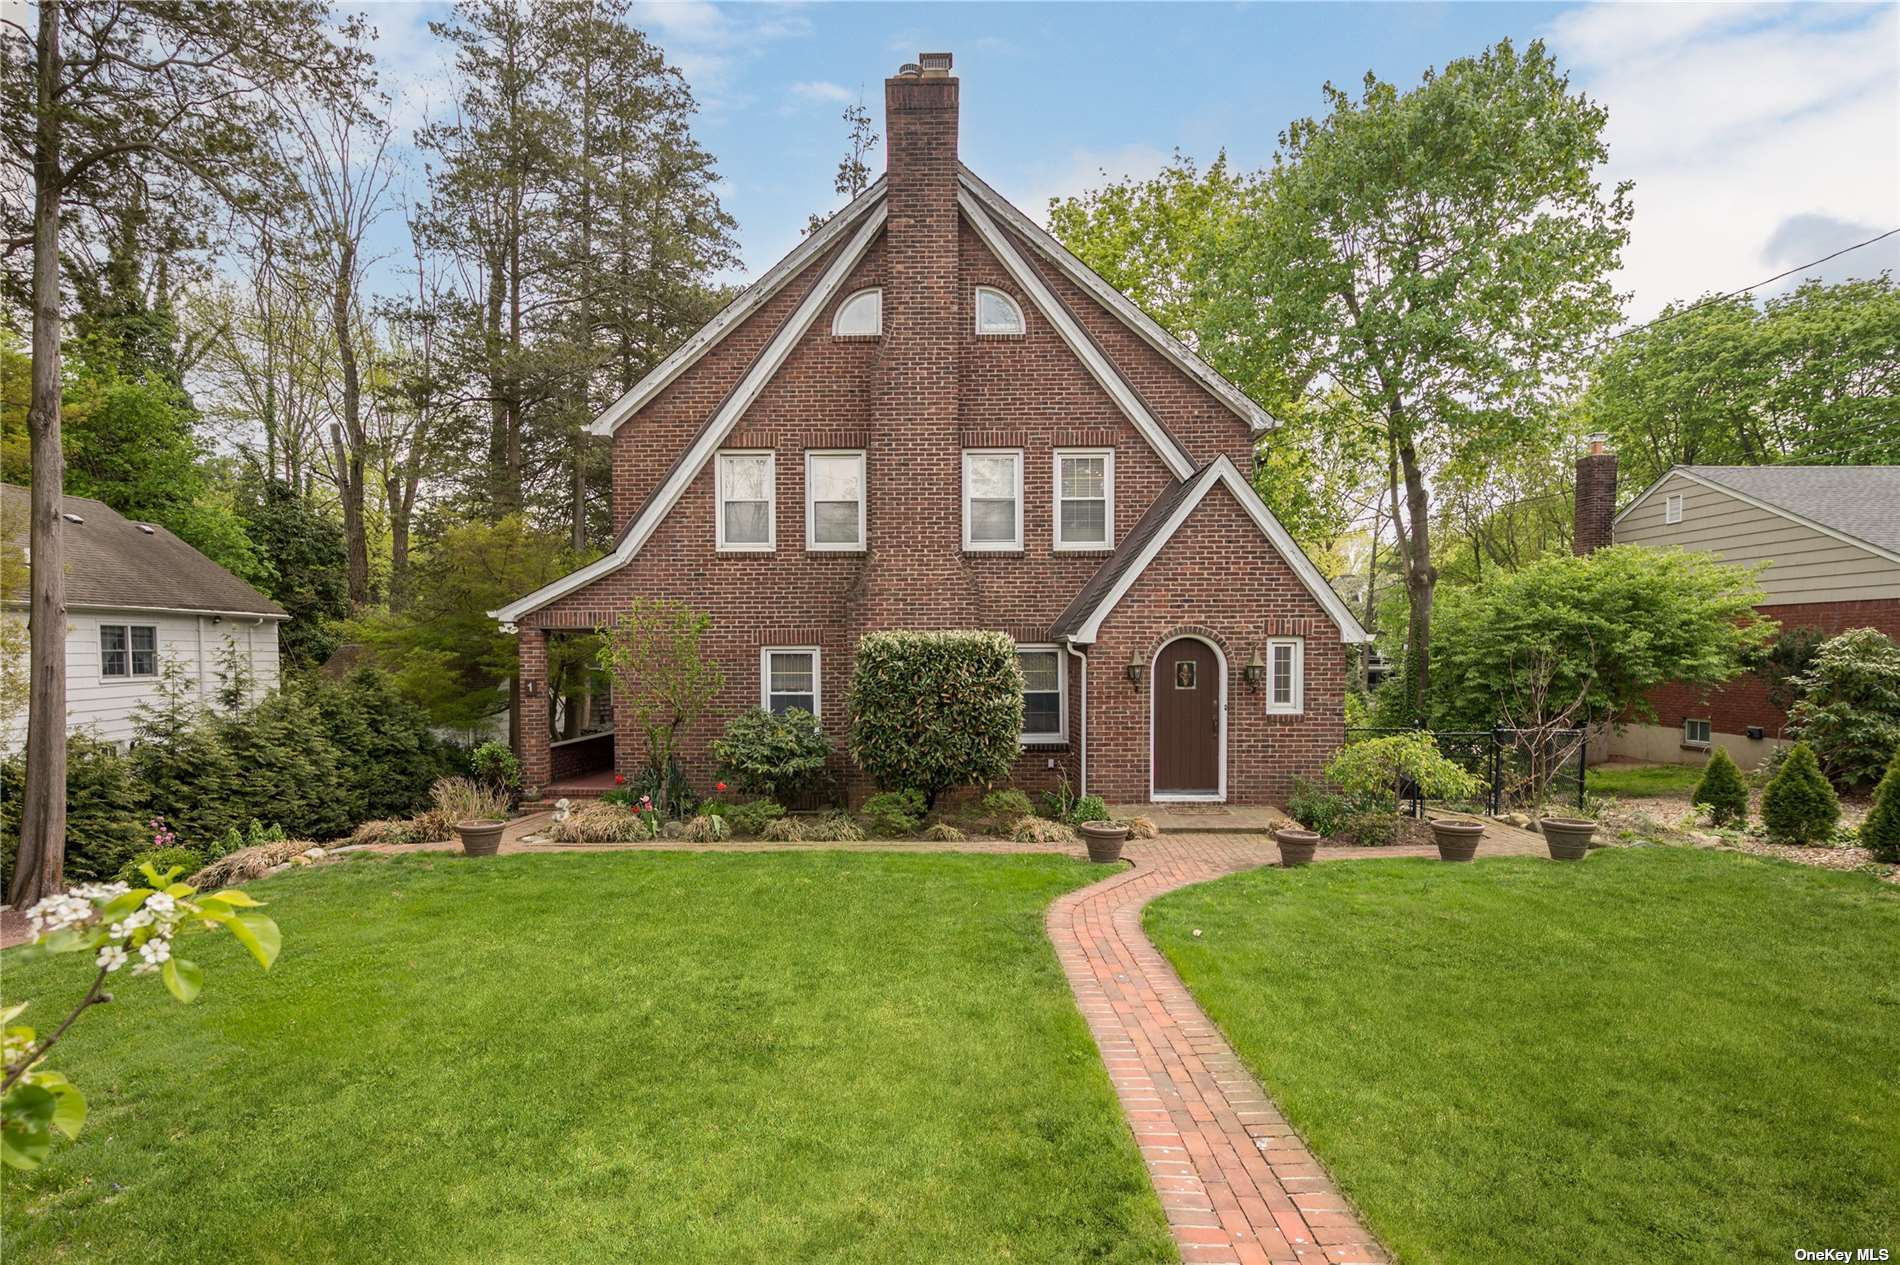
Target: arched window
pixel 997 313
pixel 861 314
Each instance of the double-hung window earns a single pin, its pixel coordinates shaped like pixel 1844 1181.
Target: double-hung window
pixel 1286 675
pixel 128 650
pixel 993 499
pixel 1085 498
pixel 747 521
pixel 788 678
pixel 1045 694
pixel 834 501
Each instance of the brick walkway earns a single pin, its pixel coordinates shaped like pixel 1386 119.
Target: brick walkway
pixel 1237 1183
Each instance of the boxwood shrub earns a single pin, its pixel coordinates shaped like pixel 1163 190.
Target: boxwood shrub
pixel 936 710
pixel 1799 805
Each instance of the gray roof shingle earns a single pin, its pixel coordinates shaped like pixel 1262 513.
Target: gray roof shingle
pixel 1116 564
pixel 1858 501
pixel 112 561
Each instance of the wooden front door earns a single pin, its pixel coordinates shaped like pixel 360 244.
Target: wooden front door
pixel 1187 701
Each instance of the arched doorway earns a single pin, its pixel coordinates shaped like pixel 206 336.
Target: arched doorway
pixel 1187 721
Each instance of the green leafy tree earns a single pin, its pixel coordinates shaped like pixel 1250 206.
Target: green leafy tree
pixel 1848 706
pixel 1880 833
pixel 664 679
pixel 309 562
pixel 930 711
pixel 1798 805
pixel 1722 790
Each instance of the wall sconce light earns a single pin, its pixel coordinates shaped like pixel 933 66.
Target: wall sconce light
pixel 1255 671
pixel 1134 670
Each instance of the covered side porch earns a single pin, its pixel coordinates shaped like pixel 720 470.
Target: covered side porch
pixel 564 731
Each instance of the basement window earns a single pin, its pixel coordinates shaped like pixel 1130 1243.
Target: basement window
pixel 860 316
pixel 997 313
pixel 1695 733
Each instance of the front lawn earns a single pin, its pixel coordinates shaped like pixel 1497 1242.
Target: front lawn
pixel 1641 781
pixel 655 1057
pixel 1659 1054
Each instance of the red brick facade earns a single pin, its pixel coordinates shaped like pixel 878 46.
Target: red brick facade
pixel 1733 707
pixel 913 399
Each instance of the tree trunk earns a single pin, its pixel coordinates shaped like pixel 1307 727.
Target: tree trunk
pixel 40 868
pixel 350 464
pixel 1421 577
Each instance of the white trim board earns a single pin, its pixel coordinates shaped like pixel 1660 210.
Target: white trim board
pixel 1782 511
pixel 715 432
pixel 1120 304
pixel 733 315
pixel 1105 374
pixel 1221 471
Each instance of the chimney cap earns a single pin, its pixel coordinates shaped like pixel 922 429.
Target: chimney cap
pixel 909 70
pixel 935 64
pixel 1598 443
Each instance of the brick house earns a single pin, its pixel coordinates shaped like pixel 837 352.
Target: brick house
pixel 931 416
pixel 1830 539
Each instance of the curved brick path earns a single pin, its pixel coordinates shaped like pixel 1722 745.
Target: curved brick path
pixel 1237 1183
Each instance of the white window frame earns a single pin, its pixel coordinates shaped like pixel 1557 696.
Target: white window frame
pixel 837 317
pixel 1690 740
pixel 817 675
pixel 771 501
pixel 1297 703
pixel 1061 734
pixel 812 543
pixel 1108 498
pixel 976 315
pixel 1672 508
pixel 994 546
pixel 130 674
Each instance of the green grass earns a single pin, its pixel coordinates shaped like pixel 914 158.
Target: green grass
pixel 1658 1054
pixel 620 1057
pixel 1637 781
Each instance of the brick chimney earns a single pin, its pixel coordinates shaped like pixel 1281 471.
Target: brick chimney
pixel 1596 494
pixel 914 578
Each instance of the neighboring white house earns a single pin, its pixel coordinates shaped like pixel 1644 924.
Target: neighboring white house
pixel 138 599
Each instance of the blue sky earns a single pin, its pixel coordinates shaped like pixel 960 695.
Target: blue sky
pixel 1759 136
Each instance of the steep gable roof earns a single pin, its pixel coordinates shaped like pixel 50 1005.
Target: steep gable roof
pixel 1082 621
pixel 115 563
pixel 1857 504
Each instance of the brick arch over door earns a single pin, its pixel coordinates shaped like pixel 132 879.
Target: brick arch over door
pixel 1187 718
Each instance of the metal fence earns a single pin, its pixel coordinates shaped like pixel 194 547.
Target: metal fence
pixel 1510 763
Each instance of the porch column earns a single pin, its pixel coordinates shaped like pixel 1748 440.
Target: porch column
pixel 531 696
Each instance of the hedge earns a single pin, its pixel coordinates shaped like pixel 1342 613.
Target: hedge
pixel 930 711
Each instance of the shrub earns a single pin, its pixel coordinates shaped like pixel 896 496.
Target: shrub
pixel 494 765
pixel 1799 805
pixel 944 832
pixel 1722 789
pixel 1041 830
pixel 461 799
pixel 832 828
pixel 249 863
pixel 184 860
pixel 1880 833
pixel 1849 705
pixel 1374 769
pixel 104 807
pixel 750 818
pixel 1059 804
pixel 892 813
pixel 706 828
pixel 601 823
pixel 1001 810
pixel 1142 827
pixel 935 710
pixel 783 830
pixel 1319 809
pixel 387 831
pixel 1370 827
pixel 1089 808
pixel 781 755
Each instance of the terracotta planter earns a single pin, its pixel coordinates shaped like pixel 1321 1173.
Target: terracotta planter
pixel 1457 840
pixel 480 838
pixel 1296 845
pixel 1105 840
pixel 1568 838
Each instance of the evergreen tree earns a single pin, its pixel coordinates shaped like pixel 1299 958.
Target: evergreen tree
pixel 1880 833
pixel 308 553
pixel 1799 805
pixel 1722 789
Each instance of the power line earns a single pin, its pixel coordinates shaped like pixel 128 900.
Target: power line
pixel 1723 298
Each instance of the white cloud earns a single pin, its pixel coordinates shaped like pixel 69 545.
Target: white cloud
pixel 712 43
pixel 821 90
pixel 1758 137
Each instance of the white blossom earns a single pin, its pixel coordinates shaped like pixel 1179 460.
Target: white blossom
pixel 154 951
pixel 160 904
pixel 111 957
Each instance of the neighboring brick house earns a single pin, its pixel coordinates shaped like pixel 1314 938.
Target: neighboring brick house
pixel 931 416
pixel 1830 539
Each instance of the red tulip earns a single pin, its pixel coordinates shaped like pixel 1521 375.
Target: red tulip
pixel 719 786
pixel 618 779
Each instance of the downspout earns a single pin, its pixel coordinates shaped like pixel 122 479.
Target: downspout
pixel 1082 747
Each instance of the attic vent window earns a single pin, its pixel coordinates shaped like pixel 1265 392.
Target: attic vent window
pixel 997 313
pixel 72 518
pixel 1672 509
pixel 860 316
